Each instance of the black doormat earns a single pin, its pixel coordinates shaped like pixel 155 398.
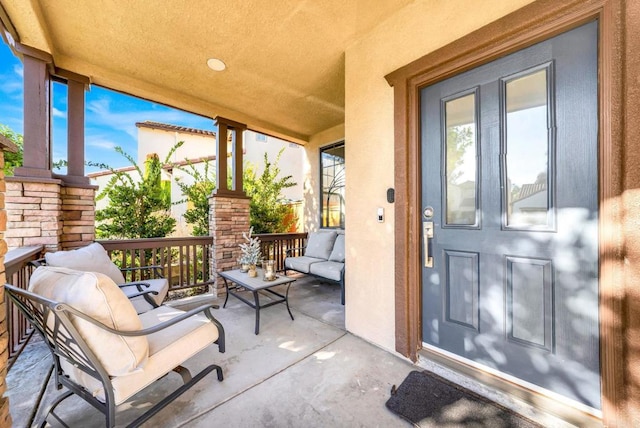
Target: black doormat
pixel 429 400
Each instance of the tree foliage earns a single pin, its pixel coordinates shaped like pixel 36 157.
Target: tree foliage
pixel 266 211
pixel 197 195
pixel 12 160
pixel 137 209
pixel 459 139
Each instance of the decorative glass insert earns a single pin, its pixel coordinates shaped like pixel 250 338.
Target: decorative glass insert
pixel 461 162
pixel 332 178
pixel 527 144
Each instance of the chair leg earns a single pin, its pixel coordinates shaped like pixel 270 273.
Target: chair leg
pixel 219 372
pixel 175 394
pixel 51 408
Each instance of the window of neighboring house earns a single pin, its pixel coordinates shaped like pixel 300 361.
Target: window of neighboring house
pixel 261 137
pixel 332 181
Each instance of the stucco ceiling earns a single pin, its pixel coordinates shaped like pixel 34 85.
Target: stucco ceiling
pixel 285 58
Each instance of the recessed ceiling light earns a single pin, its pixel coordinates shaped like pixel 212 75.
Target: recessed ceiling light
pixel 216 64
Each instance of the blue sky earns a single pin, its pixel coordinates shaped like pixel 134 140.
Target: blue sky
pixel 110 117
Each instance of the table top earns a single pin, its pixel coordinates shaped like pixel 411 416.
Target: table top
pixel 255 283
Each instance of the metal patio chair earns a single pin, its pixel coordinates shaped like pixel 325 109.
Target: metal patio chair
pixel 102 357
pixel 145 294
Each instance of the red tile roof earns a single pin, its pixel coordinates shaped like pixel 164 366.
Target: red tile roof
pixel 157 125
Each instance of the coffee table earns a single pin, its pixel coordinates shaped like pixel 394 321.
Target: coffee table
pixel 255 284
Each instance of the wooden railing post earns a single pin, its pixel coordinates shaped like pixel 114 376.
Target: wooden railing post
pixel 226 128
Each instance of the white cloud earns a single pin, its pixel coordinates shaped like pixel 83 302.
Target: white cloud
pixel 102 112
pixel 19 70
pixel 58 113
pixel 101 144
pixel 10 86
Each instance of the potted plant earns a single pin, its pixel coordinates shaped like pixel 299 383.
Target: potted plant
pixel 250 253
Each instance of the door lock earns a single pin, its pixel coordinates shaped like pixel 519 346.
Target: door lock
pixel 427 233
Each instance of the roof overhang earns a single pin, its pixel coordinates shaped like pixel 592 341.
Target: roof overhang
pixel 285 61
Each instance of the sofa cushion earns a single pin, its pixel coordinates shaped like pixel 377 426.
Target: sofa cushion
pixel 329 270
pixel 168 348
pixel 320 244
pixel 97 296
pixel 92 258
pixel 338 252
pixel 301 264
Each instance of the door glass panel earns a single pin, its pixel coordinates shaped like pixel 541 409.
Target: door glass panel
pixel 527 151
pixel 460 161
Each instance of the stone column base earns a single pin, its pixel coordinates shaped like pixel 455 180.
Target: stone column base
pixel 228 218
pixel 49 213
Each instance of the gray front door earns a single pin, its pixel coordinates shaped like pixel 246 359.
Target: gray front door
pixel 510 220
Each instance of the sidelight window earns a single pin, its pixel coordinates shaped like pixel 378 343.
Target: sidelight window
pixel 461 160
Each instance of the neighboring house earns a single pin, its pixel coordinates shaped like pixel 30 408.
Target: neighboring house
pixel 199 147
pixel 531 203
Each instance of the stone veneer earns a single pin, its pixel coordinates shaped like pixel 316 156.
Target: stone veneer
pixel 49 213
pixel 38 212
pixel 78 216
pixel 228 218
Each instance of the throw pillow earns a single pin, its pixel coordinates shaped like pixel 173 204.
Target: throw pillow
pixel 92 258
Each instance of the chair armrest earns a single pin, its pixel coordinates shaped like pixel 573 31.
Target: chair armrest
pixel 136 284
pixel 142 293
pixel 156 269
pixel 291 250
pixel 206 309
pixel 38 263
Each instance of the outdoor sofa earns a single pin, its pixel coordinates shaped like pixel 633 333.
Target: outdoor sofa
pixel 324 257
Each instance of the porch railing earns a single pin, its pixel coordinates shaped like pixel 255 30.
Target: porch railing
pixel 18 271
pixel 275 245
pixel 184 261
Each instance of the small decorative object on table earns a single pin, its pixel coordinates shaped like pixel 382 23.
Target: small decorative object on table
pixel 268 269
pixel 250 253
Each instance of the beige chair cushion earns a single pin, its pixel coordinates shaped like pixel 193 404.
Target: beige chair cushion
pixel 97 296
pixel 92 258
pixel 168 348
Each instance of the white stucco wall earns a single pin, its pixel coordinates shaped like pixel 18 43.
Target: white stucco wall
pixel 291 161
pixel 414 31
pixel 160 141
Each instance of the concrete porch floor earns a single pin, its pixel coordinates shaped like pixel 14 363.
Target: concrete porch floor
pixel 308 372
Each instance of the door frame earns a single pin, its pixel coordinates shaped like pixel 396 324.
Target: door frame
pixel 617 112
